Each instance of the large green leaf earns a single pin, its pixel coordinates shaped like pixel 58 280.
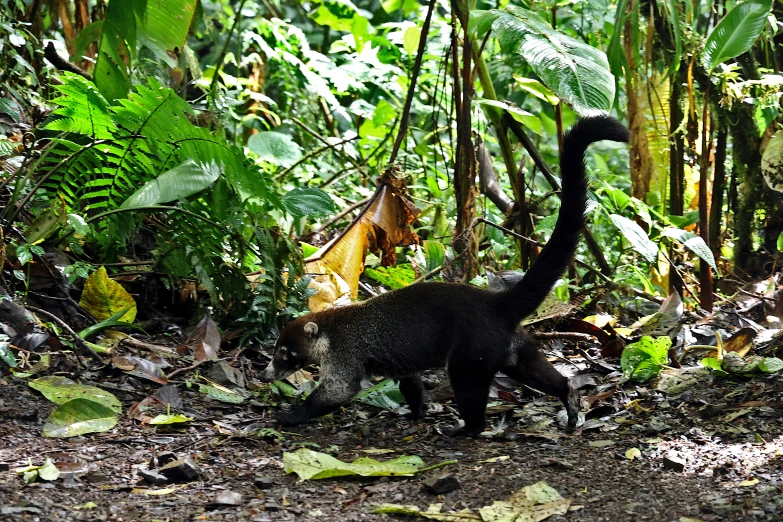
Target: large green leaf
pixel 78 417
pixel 693 243
pixel 60 390
pixel 736 33
pixel 165 27
pixel 637 237
pixel 180 182
pixel 386 394
pixel 308 201
pixel 275 148
pixel 644 359
pixel 576 72
pixel 527 119
pixel 309 464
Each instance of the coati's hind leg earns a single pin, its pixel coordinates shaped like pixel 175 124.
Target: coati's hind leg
pixel 331 393
pixel 470 378
pixel 528 366
pixel 412 389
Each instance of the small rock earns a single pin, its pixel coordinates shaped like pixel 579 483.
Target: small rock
pixel 673 463
pixel 228 498
pixel 182 470
pixel 271 506
pixel 95 477
pixel 263 482
pixel 553 462
pixel 162 458
pixel 153 477
pixel 442 484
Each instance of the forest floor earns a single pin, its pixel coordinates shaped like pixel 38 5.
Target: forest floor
pixel 714 453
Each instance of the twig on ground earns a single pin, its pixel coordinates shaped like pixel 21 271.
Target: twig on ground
pixel 62 324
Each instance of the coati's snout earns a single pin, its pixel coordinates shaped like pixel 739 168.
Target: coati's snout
pixel 292 350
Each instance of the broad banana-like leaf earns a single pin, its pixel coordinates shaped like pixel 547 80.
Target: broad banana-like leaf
pixel 576 72
pixel 383 224
pixel 736 32
pixel 655 107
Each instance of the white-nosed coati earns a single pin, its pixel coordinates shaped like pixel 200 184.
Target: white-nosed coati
pixel 428 325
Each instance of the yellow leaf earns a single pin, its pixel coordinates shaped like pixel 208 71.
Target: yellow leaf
pixel 103 297
pixel 633 453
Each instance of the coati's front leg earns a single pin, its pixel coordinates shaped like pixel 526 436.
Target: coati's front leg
pixel 412 389
pixel 331 393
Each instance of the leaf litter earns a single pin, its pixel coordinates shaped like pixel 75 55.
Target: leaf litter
pixel 701 429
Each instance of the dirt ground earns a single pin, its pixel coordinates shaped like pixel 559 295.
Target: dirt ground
pixel 728 434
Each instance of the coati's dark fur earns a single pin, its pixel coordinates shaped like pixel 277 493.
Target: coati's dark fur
pixel 428 325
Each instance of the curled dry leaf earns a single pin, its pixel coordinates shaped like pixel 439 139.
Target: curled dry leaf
pixel 205 340
pixel 382 225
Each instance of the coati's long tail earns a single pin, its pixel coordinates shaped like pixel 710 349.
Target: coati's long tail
pixel 523 298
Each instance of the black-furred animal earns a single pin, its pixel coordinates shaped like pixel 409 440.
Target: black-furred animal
pixel 428 325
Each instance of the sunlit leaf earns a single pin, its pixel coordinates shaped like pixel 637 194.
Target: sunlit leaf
pixel 527 119
pixel 178 183
pixel 275 147
pixel 693 243
pixel 644 359
pixel 736 32
pixel 103 297
pixel 170 419
pixel 78 417
pixel 381 226
pixel 636 236
pixel 309 464
pixel 60 390
pixel 575 71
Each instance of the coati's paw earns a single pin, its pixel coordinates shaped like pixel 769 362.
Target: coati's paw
pixel 417 413
pixel 463 431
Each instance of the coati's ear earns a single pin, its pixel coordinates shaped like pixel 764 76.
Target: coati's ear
pixel 311 329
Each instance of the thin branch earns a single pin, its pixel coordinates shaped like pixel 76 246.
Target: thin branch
pixel 50 53
pixel 62 324
pixel 326 142
pixel 224 50
pixel 338 217
pixel 412 87
pixel 313 153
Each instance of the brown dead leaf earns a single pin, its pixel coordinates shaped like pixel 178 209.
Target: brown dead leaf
pixel 143 368
pixel 381 226
pixel 741 342
pixel 204 340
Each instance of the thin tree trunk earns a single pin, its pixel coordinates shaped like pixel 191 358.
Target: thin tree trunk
pixel 718 185
pixel 705 272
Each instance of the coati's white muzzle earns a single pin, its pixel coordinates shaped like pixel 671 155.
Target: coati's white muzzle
pixel 272 373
